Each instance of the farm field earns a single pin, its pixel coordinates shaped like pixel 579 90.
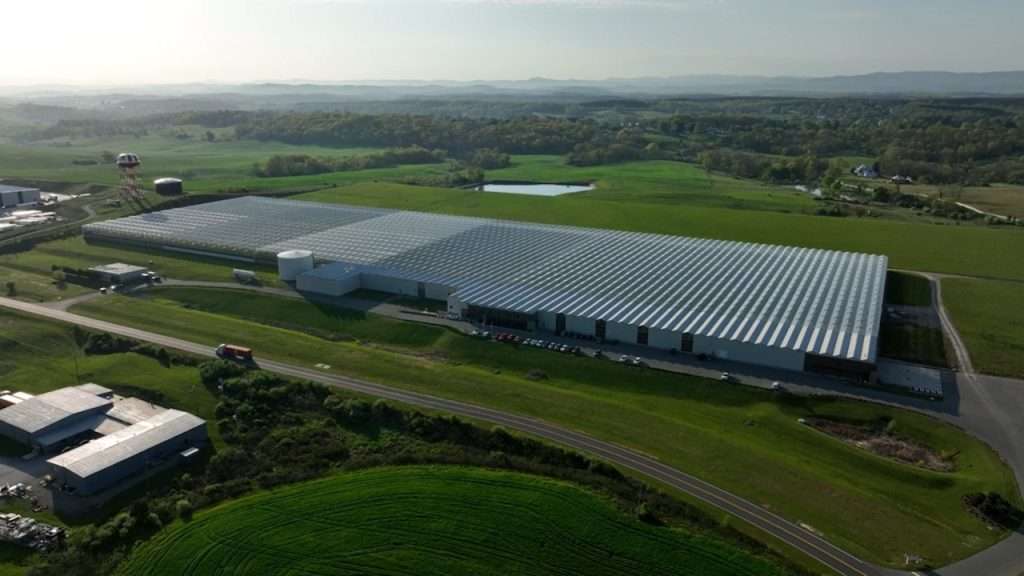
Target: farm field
pixel 216 164
pixel 430 520
pixel 971 250
pixel 990 318
pixel 725 434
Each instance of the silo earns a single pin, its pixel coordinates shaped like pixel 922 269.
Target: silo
pixel 291 263
pixel 168 186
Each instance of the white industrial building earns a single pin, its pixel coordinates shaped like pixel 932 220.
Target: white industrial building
pixel 130 451
pixel 788 307
pixel 48 419
pixel 12 196
pixel 118 439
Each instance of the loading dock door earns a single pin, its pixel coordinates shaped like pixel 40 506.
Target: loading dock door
pixel 421 290
pixel 559 324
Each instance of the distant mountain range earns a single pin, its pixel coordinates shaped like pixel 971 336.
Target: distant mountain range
pixel 877 84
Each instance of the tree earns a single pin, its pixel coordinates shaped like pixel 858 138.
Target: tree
pixel 210 136
pixel 12 290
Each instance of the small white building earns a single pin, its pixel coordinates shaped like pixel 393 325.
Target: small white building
pixel 865 171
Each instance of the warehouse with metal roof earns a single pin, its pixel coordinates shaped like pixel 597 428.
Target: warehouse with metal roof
pixel 131 451
pixel 780 306
pixel 48 419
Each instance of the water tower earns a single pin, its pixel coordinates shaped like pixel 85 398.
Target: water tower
pixel 127 163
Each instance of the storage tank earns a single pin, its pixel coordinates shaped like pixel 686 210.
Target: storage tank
pixel 291 263
pixel 168 186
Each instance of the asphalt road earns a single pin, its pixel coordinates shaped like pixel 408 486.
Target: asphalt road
pixel 796 536
pixel 985 406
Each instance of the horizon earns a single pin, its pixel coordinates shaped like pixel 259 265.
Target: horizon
pixel 155 42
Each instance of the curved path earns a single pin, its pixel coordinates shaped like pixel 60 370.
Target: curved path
pixel 807 542
pixel 984 406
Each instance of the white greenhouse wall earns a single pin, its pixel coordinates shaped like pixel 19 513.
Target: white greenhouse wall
pixel 619 332
pixel 664 339
pixel 749 353
pixel 578 325
pixel 390 285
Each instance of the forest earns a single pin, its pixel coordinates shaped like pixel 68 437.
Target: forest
pixel 935 141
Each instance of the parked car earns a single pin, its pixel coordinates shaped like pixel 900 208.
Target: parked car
pixel 726 377
pixel 103 290
pixel 777 386
pixel 599 354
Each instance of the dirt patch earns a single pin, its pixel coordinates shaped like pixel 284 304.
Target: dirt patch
pixel 878 438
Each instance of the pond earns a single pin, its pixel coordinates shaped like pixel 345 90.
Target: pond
pixel 534 189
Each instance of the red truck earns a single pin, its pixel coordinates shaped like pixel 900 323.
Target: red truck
pixel 232 352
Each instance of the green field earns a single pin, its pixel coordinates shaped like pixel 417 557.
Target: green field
pixel 327 322
pixel 216 164
pixel 990 318
pixel 971 250
pixel 723 433
pixel 430 520
pixel 76 253
pixel 659 182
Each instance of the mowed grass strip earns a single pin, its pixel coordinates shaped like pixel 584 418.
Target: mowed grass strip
pixel 969 250
pixel 431 520
pixel 329 322
pixel 742 439
pixel 990 318
pixel 77 253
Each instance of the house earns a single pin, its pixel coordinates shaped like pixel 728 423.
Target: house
pixel 865 171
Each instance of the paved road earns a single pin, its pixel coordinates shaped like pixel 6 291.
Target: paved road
pixel 794 535
pixel 983 405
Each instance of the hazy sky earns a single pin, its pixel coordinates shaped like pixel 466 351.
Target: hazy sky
pixel 136 41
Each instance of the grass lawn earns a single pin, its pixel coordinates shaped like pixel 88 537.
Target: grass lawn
pixel 971 250
pixel 33 285
pixel 39 357
pixel 215 164
pixel 328 322
pixel 76 253
pixel 906 289
pixel 726 434
pixel 990 318
pixel 430 520
pixel 659 182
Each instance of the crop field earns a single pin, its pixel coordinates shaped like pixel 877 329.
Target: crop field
pixel 990 318
pixel 971 250
pixel 726 434
pixel 430 520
